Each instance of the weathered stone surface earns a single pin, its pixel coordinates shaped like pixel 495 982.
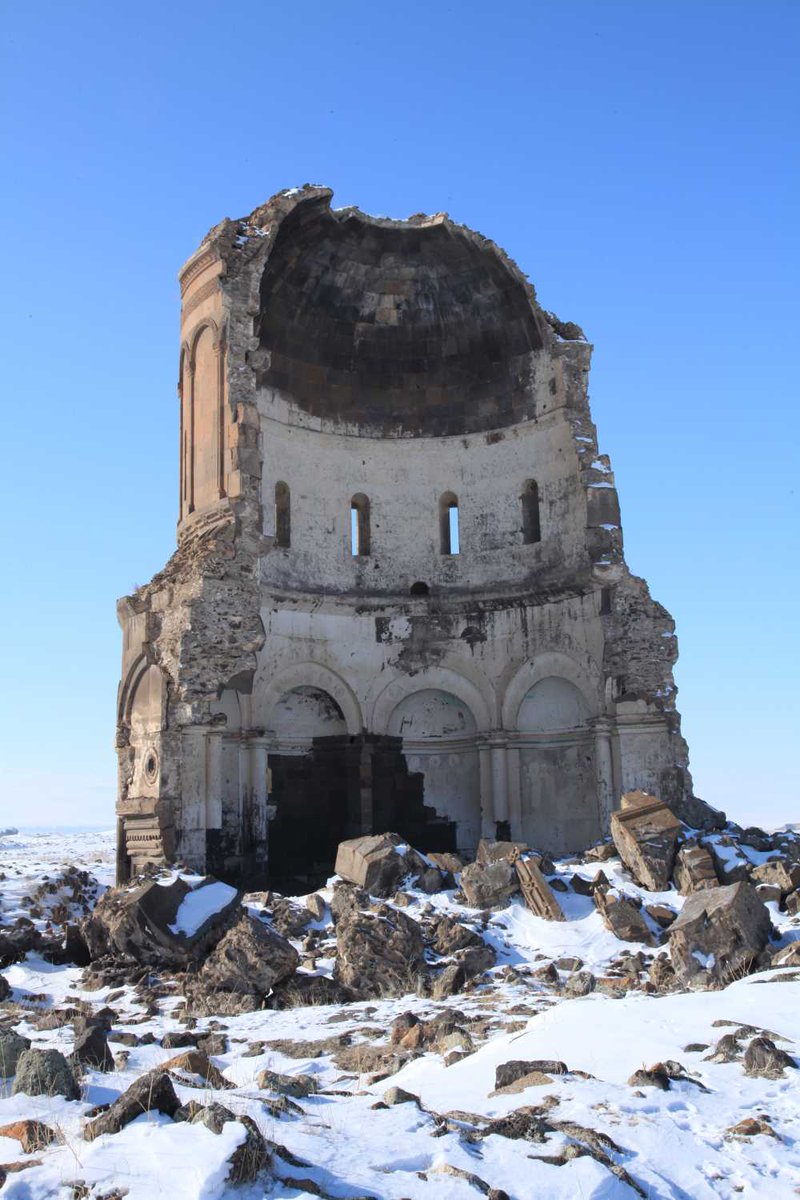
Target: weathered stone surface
pixel 694 869
pixel 296 1086
pixel 152 1092
pixel 645 833
pixel 378 954
pixel 622 916
pixel 580 984
pixel 91 1044
pixel 280 366
pixel 45 1073
pixel 509 1072
pixel 195 1063
pixel 719 934
pixel 31 1135
pixel 489 885
pixel 252 1158
pixel 12 1046
pixel 142 922
pixel 374 864
pixel 490 851
pixel 763 1057
pixel 777 873
pixel 290 920
pixel 447 863
pixel 536 891
pixel 242 969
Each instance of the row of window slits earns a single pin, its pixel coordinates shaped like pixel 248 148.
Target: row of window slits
pixel 449 540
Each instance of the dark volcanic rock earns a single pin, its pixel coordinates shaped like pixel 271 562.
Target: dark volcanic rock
pixel 45 1073
pixel 151 1092
pixel 242 969
pixel 143 922
pixel 378 954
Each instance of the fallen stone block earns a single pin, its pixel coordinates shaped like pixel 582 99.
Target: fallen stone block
pixel 694 869
pixel 646 833
pixel 242 969
pixel 170 922
pixel 536 891
pixel 776 873
pixel 718 935
pixel 489 885
pixel 490 851
pixel 622 917
pixel 377 862
pixel 378 954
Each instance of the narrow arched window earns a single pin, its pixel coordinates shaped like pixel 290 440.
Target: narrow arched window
pixel 531 523
pixel 359 525
pixel 449 542
pixel 283 515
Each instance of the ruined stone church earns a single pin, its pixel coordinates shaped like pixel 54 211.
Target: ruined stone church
pixel 399 598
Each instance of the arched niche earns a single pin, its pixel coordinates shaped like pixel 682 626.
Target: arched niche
pixel 550 663
pixel 147 703
pixel 270 685
pixel 207 425
pixel 431 713
pixel 307 712
pixel 552 705
pixel 476 693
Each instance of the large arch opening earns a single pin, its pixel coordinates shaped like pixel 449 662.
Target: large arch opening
pixel 558 777
pixel 438 733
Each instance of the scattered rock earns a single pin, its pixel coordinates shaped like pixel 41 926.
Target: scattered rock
pixel 719 933
pixel 91 1044
pixel 763 1057
pixel 752 1127
pixel 296 1086
pixel 694 869
pixel 490 851
pixel 12 1046
pixel 778 874
pixel 489 885
pixel 662 914
pixel 243 967
pixel 45 1073
pixel 144 922
pixel 645 833
pixel 397 1095
pixel 31 1135
pixel 250 1159
pixel 152 1092
pixel 580 984
pixel 316 906
pixel 378 954
pixel 650 1077
pixel 509 1072
pixel 622 917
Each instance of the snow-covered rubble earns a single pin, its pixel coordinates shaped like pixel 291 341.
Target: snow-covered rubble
pixel 398 1096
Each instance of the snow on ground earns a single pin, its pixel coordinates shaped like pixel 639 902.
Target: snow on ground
pixel 674 1145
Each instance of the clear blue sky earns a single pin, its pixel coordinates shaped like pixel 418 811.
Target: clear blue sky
pixel 639 160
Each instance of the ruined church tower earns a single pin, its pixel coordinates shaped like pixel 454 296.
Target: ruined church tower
pixel 399 598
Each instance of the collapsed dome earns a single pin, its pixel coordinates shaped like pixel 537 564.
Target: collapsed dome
pixel 408 327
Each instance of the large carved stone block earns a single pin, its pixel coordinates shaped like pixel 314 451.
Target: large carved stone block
pixel 646 833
